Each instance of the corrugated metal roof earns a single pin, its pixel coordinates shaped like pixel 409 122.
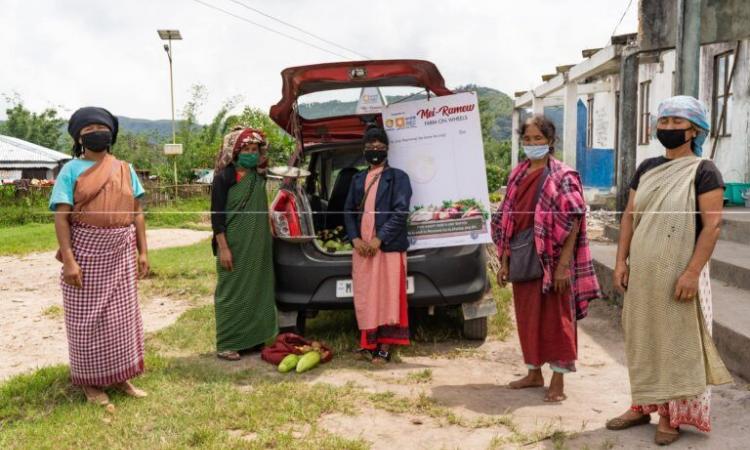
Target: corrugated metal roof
pixel 19 153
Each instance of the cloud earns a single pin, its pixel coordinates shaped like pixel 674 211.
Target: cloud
pixel 87 52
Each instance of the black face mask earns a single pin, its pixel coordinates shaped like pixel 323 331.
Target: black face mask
pixel 376 157
pixel 671 139
pixel 97 141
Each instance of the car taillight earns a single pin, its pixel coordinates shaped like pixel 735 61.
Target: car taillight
pixel 290 216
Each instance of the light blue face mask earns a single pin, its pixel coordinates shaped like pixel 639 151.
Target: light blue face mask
pixel 535 152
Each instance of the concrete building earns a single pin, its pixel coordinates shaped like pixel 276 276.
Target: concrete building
pixel 588 96
pixel 23 160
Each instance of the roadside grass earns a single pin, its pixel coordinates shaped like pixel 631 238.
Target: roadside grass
pixel 421 376
pixel 33 237
pixel 501 324
pixel 197 400
pixel 191 404
pixel 187 272
pixel 188 213
pixel 29 238
pixel 53 312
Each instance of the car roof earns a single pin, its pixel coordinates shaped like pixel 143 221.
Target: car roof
pixel 302 80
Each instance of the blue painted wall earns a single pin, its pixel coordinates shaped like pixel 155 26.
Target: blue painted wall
pixel 596 165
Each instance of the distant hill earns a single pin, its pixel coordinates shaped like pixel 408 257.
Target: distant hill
pixel 158 128
pixel 492 101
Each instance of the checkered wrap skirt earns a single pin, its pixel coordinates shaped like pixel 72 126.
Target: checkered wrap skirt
pixel 103 319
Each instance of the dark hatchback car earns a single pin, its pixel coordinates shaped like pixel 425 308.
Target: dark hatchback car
pixel 309 277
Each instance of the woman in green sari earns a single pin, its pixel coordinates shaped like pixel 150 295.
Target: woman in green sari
pixel 244 299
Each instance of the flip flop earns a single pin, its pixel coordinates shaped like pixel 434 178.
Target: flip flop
pixel 100 399
pixel 665 438
pixel 364 354
pixel 130 390
pixel 229 355
pixel 381 357
pixel 618 423
pixel 526 386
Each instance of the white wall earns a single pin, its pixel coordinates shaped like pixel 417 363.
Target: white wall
pixel 661 76
pixel 732 153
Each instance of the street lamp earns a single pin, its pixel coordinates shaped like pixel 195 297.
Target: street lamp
pixel 174 148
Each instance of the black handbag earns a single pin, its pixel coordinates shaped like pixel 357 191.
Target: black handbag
pixel 524 260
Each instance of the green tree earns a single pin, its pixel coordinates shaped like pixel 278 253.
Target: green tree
pixel 202 143
pixel 496 151
pixel 43 128
pixel 142 150
pixel 280 144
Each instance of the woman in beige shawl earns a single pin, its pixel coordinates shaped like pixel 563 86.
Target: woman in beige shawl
pixel 667 236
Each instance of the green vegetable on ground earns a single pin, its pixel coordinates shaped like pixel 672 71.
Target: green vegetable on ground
pixel 288 363
pixel 308 361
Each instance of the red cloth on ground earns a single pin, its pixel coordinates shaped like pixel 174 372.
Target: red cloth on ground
pixel 546 322
pixel 286 344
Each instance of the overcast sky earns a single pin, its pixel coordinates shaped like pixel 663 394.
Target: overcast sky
pixel 72 53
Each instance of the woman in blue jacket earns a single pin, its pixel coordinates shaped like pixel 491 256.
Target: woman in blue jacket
pixel 377 209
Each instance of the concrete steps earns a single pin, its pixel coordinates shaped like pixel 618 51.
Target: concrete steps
pixel 731 258
pixel 731 303
pixel 736 227
pixel 731 264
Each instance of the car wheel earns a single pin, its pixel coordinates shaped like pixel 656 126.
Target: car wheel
pixel 476 329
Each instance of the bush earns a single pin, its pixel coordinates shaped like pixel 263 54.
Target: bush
pixel 497 176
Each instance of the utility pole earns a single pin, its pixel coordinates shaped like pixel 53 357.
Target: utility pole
pixel 687 76
pixel 174 148
pixel 626 146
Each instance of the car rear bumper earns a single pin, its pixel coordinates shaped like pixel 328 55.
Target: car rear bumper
pixel 306 278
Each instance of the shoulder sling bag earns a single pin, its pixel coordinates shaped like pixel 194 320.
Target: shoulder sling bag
pixel 524 260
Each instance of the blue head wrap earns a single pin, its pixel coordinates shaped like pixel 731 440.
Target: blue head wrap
pixel 691 109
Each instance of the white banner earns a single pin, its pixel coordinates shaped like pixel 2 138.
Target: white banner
pixel 438 142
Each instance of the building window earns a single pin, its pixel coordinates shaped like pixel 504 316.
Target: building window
pixel 590 123
pixel 644 114
pixel 722 96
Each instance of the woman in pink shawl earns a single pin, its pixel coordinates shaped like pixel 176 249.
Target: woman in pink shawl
pixel 377 209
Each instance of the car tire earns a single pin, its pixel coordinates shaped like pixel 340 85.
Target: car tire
pixel 476 329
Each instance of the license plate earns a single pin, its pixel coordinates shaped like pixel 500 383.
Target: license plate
pixel 483 308
pixel 345 288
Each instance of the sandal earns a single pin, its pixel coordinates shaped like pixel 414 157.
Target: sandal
pixel 364 354
pixel 665 437
pixel 229 355
pixel 98 398
pixel 619 423
pixel 381 357
pixel 130 390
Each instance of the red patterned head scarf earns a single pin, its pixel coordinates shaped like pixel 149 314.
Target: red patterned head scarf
pixel 233 143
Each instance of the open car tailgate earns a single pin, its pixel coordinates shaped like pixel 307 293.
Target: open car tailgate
pixel 298 81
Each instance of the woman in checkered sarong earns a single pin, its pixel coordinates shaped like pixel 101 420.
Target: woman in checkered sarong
pixel 99 225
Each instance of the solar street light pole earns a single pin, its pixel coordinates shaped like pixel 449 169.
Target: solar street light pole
pixel 169 35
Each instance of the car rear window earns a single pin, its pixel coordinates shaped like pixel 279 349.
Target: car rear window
pixel 343 102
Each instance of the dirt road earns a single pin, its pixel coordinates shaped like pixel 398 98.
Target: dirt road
pixel 473 389
pixel 32 333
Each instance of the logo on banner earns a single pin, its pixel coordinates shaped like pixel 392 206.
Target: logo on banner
pixel 401 123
